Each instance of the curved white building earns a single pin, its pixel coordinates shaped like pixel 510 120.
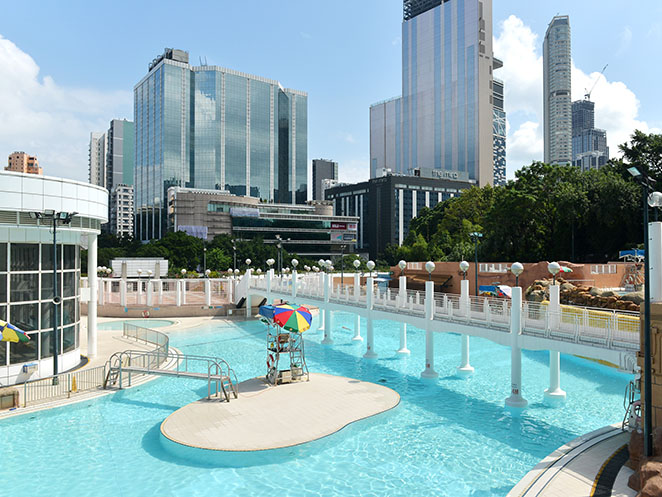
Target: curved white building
pixel 28 206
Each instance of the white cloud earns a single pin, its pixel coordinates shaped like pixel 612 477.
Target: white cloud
pixel 354 170
pixel 625 39
pixel 616 106
pixel 50 121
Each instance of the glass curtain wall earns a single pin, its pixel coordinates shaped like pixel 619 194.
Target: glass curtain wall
pixel 26 294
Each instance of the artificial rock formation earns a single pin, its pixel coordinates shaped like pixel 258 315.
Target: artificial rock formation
pixel 584 295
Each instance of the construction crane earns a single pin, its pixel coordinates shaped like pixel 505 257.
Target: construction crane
pixel 587 95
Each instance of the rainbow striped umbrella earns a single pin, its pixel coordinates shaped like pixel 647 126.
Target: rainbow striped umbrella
pixel 10 333
pixel 292 317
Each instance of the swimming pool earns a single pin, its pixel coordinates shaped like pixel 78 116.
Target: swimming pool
pixel 449 437
pixel 149 323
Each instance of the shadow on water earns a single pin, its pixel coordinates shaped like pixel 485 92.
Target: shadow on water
pixel 455 408
pixel 120 397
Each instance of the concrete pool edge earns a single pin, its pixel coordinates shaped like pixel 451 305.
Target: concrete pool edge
pixel 573 467
pixel 190 445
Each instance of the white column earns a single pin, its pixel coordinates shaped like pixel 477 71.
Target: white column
pixel 102 290
pixel 184 291
pixel 92 304
pixel 328 317
pixel 465 368
pixel 139 295
pixel 178 293
pixel 249 296
pixel 160 287
pixel 123 292
pixel 655 260
pixel 357 319
pixel 554 395
pixel 401 211
pixel 370 343
pixel 429 371
pixel 207 292
pixel 294 283
pixel 516 399
pixel 402 297
pixel 150 293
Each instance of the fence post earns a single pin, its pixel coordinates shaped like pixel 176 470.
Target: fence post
pixel 370 343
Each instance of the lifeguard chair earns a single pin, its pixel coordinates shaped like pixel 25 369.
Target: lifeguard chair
pixel 285 325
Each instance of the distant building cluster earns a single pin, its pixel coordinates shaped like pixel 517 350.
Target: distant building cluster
pixel 20 162
pixel 209 144
pixel 570 134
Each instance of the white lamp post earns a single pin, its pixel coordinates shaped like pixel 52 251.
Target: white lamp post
pixel 356 264
pixel 370 265
pixel 429 267
pixel 402 265
pixel 183 272
pixel 554 268
pixel 295 263
pixel 207 272
pixel 464 267
pixel 517 269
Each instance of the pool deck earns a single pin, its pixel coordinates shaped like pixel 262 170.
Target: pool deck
pixel 574 469
pixel 271 417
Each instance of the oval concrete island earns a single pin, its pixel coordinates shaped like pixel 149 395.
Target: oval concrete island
pixel 267 417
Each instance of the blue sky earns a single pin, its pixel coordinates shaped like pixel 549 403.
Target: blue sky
pixel 67 68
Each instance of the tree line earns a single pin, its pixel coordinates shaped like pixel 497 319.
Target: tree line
pixel 547 212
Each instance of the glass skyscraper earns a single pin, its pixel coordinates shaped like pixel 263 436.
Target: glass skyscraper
pixel 444 119
pixel 209 127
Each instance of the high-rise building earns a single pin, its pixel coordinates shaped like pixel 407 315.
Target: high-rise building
pixel 499 133
pixel 121 151
pixel 557 92
pixel 97 159
pixel 589 145
pixel 208 127
pixel 20 162
pixel 323 169
pixel 444 119
pixel 111 158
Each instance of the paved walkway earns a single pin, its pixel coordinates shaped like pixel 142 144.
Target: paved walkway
pixel 573 469
pixel 272 417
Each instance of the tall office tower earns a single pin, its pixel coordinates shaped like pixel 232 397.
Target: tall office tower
pixel 214 128
pixel 119 176
pixel 556 92
pixel 97 159
pixel 323 169
pixel 589 145
pixel 499 133
pixel 444 119
pixel 120 155
pixel 20 162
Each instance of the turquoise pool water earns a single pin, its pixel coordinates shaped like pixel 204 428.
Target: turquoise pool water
pixel 148 323
pixel 449 437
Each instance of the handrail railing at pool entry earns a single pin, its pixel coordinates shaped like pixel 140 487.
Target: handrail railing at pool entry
pixel 123 365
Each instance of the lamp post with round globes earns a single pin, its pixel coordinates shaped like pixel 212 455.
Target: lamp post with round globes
pixel 517 269
pixel 270 262
pixel 464 267
pixel 234 254
pixel 356 264
pixel 204 259
pixel 248 264
pixel 371 266
pixel 207 272
pixel 402 265
pixel 429 267
pixel 295 263
pixel 554 268
pixel 652 199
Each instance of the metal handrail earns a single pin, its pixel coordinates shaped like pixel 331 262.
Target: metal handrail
pixel 63 385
